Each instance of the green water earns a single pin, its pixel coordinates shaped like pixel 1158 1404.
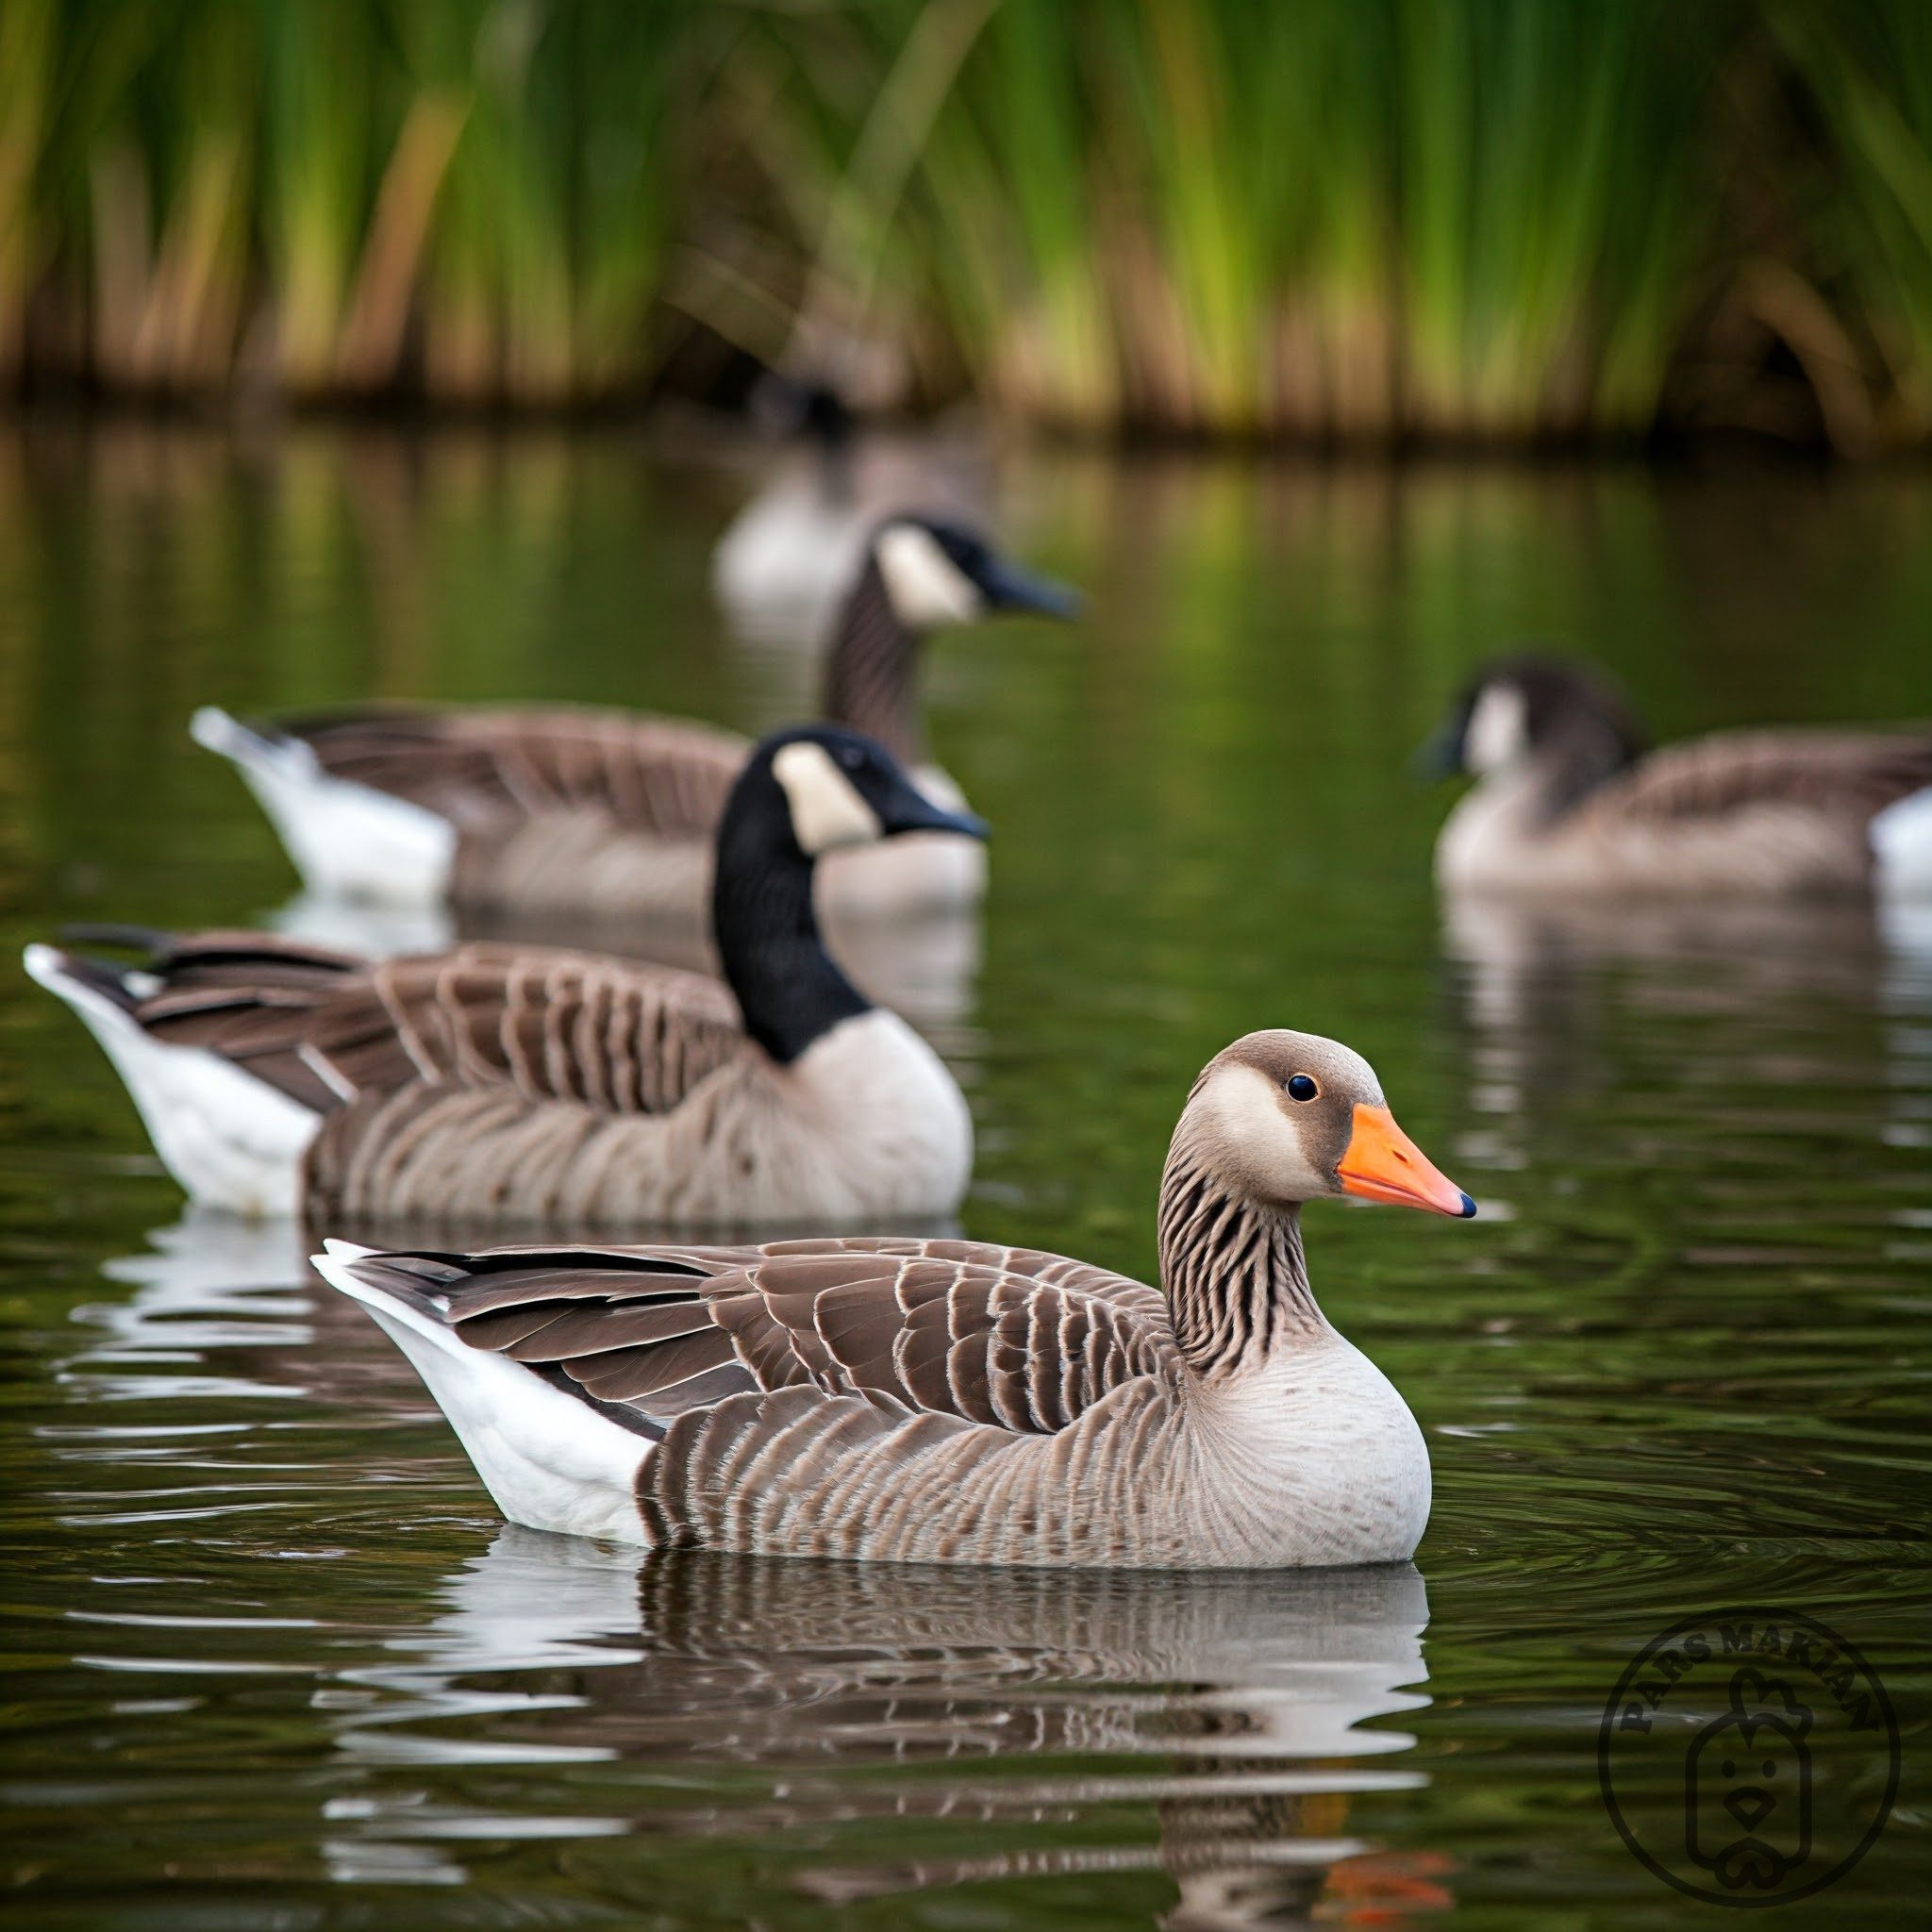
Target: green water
pixel 275 1662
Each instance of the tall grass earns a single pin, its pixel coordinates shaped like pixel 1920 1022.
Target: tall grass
pixel 1344 219
pixel 1867 66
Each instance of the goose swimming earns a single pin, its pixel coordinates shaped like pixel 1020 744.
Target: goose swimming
pixel 1567 800
pixel 606 814
pixel 534 1085
pixel 953 1401
pixel 790 554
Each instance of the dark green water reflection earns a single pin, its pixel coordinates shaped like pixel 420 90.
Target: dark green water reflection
pixel 275 1660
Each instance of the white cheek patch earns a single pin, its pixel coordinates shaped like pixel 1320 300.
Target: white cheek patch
pixel 826 810
pixel 1498 729
pixel 927 586
pixel 1256 1139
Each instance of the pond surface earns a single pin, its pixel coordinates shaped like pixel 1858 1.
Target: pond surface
pixel 275 1662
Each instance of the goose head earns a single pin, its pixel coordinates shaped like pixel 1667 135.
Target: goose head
pixel 1534 708
pixel 804 792
pixel 938 572
pixel 1280 1118
pixel 819 788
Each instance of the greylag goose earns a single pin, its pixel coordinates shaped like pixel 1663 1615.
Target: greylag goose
pixel 953 1401
pixel 535 1085
pixel 609 814
pixel 1567 800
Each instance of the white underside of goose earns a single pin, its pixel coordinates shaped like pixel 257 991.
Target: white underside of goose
pixel 348 840
pixel 548 1459
pixel 232 1142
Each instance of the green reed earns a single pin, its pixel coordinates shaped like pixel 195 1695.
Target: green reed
pixel 1867 68
pixel 1343 220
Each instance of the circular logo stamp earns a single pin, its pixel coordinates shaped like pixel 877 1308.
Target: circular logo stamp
pixel 1748 1757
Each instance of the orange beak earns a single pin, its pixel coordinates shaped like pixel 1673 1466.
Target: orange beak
pixel 1382 1163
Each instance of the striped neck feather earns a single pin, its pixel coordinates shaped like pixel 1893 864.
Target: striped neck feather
pixel 869 677
pixel 1236 1280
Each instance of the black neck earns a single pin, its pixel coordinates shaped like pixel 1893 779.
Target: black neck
pixel 870 676
pixel 1236 1280
pixel 1578 754
pixel 788 987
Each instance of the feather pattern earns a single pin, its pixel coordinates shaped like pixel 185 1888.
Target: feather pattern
pixel 328 1029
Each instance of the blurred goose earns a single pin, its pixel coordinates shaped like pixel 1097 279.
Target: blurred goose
pixel 951 1400
pixel 782 568
pixel 536 1085
pixel 1568 800
pixel 608 814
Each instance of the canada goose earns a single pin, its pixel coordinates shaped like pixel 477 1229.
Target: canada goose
pixel 1568 800
pixel 537 1085
pixel 606 813
pixel 790 555
pixel 953 1401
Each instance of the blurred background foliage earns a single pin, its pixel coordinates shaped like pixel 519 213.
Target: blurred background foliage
pixel 1347 221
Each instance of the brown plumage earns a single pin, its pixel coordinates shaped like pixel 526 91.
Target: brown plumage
pixel 607 814
pixel 540 1086
pixel 951 1400
pixel 1568 801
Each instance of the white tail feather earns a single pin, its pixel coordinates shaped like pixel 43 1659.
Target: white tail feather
pixel 348 840
pixel 1902 847
pixel 550 1460
pixel 231 1140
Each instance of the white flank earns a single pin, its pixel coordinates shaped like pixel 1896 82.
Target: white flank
pixel 232 1141
pixel 348 840
pixel 549 1460
pixel 1902 847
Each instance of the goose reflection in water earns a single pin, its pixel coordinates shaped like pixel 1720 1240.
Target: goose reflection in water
pixel 1236 1704
pixel 1558 995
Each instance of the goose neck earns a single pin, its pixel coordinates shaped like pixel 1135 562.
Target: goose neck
pixel 1234 1273
pixel 872 670
pixel 788 987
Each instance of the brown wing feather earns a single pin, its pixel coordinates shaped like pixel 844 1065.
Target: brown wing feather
pixel 481 769
pixel 327 1029
pixel 1010 1338
pixel 1849 773
pixel 554 1025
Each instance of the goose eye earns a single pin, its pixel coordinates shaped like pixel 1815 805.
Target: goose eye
pixel 1300 1087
